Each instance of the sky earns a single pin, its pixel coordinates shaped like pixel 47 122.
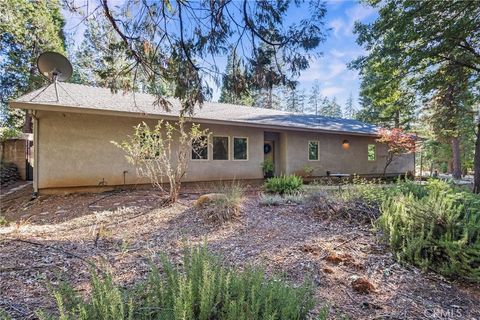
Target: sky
pixel 331 71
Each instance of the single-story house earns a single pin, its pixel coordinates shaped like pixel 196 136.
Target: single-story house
pixel 75 124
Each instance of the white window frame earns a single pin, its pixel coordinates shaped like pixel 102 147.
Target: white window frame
pixel 318 150
pixel 376 156
pixel 233 148
pixel 208 153
pixel 228 148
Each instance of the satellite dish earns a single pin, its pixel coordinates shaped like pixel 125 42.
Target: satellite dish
pixel 54 66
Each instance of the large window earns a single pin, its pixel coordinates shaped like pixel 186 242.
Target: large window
pixel 200 149
pixel 313 150
pixel 220 148
pixel 372 154
pixel 240 148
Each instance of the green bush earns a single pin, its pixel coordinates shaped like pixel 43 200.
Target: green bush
pixel 284 184
pixel 204 289
pixel 9 133
pixel 436 226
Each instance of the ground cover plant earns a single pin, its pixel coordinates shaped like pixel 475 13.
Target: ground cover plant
pixel 204 289
pixel 436 226
pixel 351 271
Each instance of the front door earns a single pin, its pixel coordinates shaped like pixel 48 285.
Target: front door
pixel 269 154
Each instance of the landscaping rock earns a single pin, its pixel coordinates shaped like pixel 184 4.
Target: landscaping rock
pixel 208 198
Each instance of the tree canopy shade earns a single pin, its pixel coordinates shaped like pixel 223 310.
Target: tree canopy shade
pixel 27 28
pixel 177 41
pixel 432 47
pixel 235 87
pixel 419 34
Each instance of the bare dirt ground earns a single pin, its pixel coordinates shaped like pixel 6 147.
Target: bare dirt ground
pixel 57 237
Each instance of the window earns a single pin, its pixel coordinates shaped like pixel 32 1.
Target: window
pixel 313 150
pixel 220 148
pixel 240 149
pixel 371 152
pixel 200 149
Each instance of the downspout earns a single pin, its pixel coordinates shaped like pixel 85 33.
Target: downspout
pixel 36 123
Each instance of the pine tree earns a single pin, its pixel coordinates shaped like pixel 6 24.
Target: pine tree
pixel 27 28
pixel 294 100
pixel 90 68
pixel 349 108
pixel 269 98
pixel 330 108
pixel 235 87
pixel 449 109
pixel 314 99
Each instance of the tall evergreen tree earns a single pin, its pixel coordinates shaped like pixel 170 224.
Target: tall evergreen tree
pixel 98 70
pixel 270 98
pixel 108 70
pixel 449 108
pixel 414 37
pixel 314 99
pixel 294 100
pixel 349 112
pixel 330 108
pixel 27 28
pixel 175 41
pixel 388 99
pixel 235 87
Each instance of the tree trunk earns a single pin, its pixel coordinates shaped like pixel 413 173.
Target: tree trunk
pixel 27 124
pixel 456 158
pixel 397 119
pixel 387 163
pixel 476 165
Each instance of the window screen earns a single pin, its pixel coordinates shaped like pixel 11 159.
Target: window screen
pixel 313 150
pixel 240 148
pixel 371 152
pixel 220 148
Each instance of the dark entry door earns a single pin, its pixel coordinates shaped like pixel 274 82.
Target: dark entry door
pixel 29 160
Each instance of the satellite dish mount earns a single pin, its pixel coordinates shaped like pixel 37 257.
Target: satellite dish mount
pixel 54 67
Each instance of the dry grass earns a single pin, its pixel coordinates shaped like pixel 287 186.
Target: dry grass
pixel 222 206
pixel 288 239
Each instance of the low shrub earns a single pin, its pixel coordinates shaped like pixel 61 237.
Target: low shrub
pixel 3 221
pixel 269 200
pixel 436 226
pixel 204 289
pixel 297 198
pixel 284 184
pixel 346 208
pixel 224 205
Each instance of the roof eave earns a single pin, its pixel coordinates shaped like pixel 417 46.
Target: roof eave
pixel 60 108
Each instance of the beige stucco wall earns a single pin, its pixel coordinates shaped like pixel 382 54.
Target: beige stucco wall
pixel 335 159
pixel 75 150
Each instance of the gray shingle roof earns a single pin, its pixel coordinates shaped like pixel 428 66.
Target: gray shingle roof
pixel 87 97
